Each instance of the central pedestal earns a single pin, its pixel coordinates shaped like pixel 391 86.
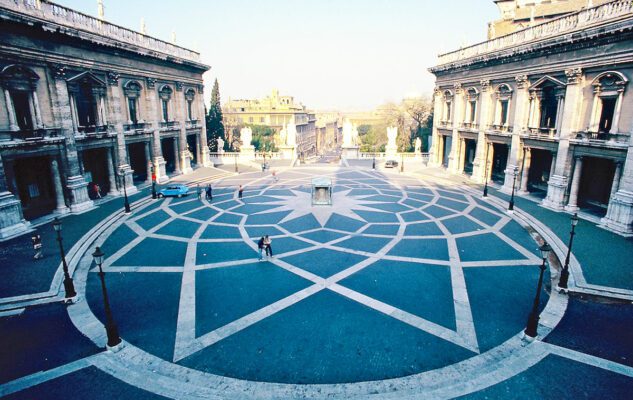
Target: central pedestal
pixel 350 153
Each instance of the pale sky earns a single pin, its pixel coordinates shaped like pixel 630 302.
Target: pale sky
pixel 328 54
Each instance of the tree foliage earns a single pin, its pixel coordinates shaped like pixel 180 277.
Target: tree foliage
pixel 214 120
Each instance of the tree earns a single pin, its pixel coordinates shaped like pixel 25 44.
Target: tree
pixel 214 120
pixel 420 111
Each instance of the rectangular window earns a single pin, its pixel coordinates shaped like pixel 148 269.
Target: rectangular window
pixel 250 119
pixel 22 110
pixel 131 105
pixel 504 112
pixel 261 119
pixel 473 111
pixel 448 110
pixel 165 110
pixel 606 117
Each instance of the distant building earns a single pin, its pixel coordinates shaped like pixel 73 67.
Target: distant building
pixel 328 131
pixel 86 105
pixel 276 112
pixel 547 107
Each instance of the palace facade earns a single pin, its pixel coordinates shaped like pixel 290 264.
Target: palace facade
pixel 88 108
pixel 546 109
pixel 277 112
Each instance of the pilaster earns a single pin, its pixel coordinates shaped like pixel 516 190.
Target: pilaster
pixel 619 216
pixel 434 150
pixel 519 126
pixel 485 100
pixel 204 159
pixel 456 118
pixel 557 185
pixel 12 222
pixel 155 116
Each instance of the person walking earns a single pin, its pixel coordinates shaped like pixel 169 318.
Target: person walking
pixel 198 191
pixel 267 245
pixel 209 193
pixel 37 246
pixel 260 246
pixel 275 178
pixel 240 191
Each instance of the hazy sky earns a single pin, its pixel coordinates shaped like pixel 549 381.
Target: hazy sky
pixel 328 54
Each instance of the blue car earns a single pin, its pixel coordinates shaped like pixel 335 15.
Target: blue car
pixel 174 190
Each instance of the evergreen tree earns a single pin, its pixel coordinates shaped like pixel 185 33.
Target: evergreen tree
pixel 215 124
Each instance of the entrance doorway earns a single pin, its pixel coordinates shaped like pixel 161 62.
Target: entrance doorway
pixel 499 162
pixel 192 144
pixel 167 146
pixel 35 186
pixel 96 165
pixel 138 162
pixel 538 175
pixel 448 143
pixel 595 184
pixel 469 155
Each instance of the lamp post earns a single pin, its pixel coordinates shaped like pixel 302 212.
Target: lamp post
pixel 153 182
pixel 532 323
pixel 401 162
pixel 564 274
pixel 486 172
pixel 515 172
pixel 69 287
pixel 236 170
pixel 111 328
pixel 126 202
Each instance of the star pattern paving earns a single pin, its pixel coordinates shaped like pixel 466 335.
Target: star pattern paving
pixel 377 238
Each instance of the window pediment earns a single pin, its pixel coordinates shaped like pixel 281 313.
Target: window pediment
pixel 547 81
pixel 18 77
pixel 132 89
pixel 609 83
pixel 165 92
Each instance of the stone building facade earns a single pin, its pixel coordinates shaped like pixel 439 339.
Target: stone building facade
pixel 277 112
pixel 89 103
pixel 547 108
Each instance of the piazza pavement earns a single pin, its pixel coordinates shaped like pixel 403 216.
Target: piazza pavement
pixel 410 285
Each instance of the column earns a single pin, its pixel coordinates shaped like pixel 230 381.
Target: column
pixel 115 116
pixel 73 113
pixel 456 117
pixel 80 158
pixel 203 158
pixel 148 162
pixel 181 108
pixel 559 111
pixel 572 204
pixel 112 178
pixel 552 167
pixel 199 149
pixel 59 189
pixel 13 125
pixel 485 101
pixel 36 107
pixel 527 160
pixel 519 127
pixel 75 183
pixel 462 155
pixel 177 169
pixel 155 116
pixel 12 222
pixel 616 179
pixel 435 155
pixel 558 181
pixel 619 216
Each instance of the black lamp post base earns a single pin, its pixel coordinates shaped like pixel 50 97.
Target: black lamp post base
pixel 117 347
pixel 69 288
pixel 527 338
pixel 71 300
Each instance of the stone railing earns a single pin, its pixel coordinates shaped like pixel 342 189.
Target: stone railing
pixel 92 129
pixel 542 133
pixel 472 126
pixel 398 156
pixel 192 124
pixel 571 22
pixel 169 124
pixel 52 12
pixel 500 128
pixel 603 137
pixel 445 124
pixel 31 134
pixel 135 127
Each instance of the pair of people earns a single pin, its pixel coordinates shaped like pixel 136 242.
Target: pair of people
pixel 209 193
pixel 264 244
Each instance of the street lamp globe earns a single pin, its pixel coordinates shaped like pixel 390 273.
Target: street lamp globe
pixel 545 249
pixel 98 256
pixel 574 220
pixel 57 225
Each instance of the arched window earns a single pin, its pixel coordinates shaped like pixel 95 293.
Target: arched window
pixel 447 107
pixel 546 104
pixel 470 116
pixel 164 94
pixel 87 102
pixel 19 84
pixel 190 95
pixel 608 89
pixel 503 93
pixel 132 90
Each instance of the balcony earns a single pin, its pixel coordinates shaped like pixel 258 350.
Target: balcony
pixel 30 136
pixel 603 138
pixel 192 124
pixel 471 126
pixel 542 133
pixel 445 124
pixel 93 129
pixel 138 127
pixel 501 128
pixel 167 125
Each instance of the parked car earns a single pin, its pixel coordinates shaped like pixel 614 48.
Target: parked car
pixel 174 190
pixel 391 164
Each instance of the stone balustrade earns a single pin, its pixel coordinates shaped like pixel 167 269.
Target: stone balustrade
pixel 52 12
pixel 568 23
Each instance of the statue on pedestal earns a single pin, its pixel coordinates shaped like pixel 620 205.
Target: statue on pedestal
pixel 350 134
pixel 392 133
pixel 220 144
pixel 246 135
pixel 418 145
